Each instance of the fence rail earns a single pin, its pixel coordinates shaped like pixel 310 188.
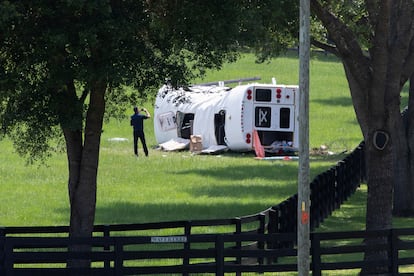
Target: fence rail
pixel 204 253
pixel 328 191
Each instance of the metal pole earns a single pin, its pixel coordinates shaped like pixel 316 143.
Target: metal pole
pixel 303 174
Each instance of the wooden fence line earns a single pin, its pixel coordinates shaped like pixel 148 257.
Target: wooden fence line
pixel 208 253
pixel 328 191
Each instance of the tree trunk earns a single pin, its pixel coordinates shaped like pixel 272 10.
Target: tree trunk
pixel 410 147
pixel 404 161
pixel 379 201
pixel 83 168
pixel 403 194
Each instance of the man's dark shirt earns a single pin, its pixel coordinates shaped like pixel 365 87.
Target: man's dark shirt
pixel 137 122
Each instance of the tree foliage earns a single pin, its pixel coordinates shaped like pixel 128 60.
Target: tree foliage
pixel 48 47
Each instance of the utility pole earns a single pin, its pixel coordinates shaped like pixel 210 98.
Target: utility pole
pixel 303 172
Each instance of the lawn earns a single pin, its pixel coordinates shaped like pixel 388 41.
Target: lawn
pixel 179 185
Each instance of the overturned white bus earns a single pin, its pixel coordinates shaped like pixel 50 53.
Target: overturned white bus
pixel 227 116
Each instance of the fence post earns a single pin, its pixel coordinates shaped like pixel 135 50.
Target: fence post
pixel 393 255
pixel 271 229
pixel 106 235
pixel 187 232
pixel 2 250
pixel 271 225
pixel 238 243
pixel 282 217
pixel 356 169
pixel 338 183
pixel 330 184
pixel 119 259
pixel 8 259
pixel 277 218
pixel 261 230
pixel 219 255
pixel 316 254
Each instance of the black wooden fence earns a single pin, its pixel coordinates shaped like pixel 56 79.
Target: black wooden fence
pixel 328 191
pixel 214 254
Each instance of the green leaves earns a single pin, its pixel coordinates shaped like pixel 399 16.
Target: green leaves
pixel 49 48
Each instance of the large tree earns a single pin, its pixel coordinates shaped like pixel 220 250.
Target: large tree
pixel 374 40
pixel 62 62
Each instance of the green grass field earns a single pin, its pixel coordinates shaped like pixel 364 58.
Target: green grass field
pixel 175 186
pixel 182 186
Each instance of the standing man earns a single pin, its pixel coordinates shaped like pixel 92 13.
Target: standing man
pixel 137 121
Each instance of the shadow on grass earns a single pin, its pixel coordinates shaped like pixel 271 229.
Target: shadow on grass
pixel 335 101
pixel 350 216
pixel 243 191
pixel 127 212
pixel 279 170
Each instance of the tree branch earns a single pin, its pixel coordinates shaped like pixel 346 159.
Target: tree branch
pixel 325 46
pixel 85 93
pixel 346 44
pixel 405 38
pixel 380 60
pixel 408 67
pixel 372 7
pixel 357 66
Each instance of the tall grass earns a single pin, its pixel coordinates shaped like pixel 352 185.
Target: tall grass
pixel 179 185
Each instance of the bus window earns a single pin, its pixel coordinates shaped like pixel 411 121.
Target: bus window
pixel 263 95
pixel 284 119
pixel 185 123
pixel 219 123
